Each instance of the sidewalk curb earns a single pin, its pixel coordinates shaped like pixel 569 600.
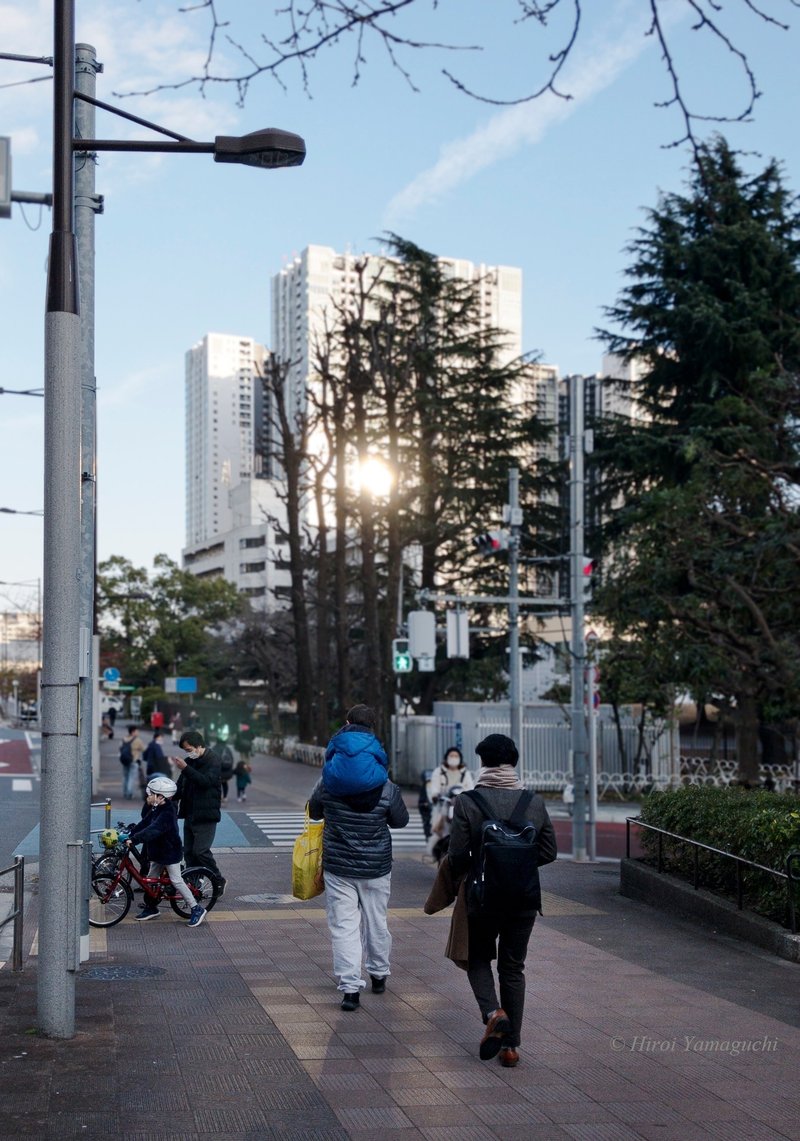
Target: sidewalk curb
pixel 643 883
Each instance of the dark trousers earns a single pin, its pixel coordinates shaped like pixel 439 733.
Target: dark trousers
pixel 505 939
pixel 197 841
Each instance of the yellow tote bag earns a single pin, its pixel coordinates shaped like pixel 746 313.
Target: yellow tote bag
pixel 307 878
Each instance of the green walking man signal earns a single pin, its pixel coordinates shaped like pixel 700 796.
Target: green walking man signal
pixel 402 662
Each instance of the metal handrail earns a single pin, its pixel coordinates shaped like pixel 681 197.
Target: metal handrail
pixel 16 916
pixel 790 875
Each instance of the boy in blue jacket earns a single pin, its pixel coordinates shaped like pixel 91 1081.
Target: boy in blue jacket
pixel 355 761
pixel 158 828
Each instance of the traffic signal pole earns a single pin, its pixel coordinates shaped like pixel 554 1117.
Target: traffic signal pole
pixel 514 672
pixel 577 643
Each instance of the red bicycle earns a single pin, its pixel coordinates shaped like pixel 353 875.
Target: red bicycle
pixel 112 895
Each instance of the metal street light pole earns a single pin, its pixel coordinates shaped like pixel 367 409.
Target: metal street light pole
pixel 66 655
pixel 515 681
pixel 578 645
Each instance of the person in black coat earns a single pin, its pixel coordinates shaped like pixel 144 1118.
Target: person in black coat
pixel 504 935
pixel 199 795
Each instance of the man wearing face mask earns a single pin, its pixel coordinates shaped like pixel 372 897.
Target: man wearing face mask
pixel 200 795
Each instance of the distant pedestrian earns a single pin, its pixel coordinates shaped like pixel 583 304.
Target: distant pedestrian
pixel 155 759
pixel 158 828
pixel 227 763
pixel 243 779
pixel 358 804
pixel 199 793
pixel 130 757
pixel 503 935
pixel 176 727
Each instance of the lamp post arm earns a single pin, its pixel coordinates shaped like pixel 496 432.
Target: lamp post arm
pixel 127 115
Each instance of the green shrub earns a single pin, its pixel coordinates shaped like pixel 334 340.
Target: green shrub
pixel 757 825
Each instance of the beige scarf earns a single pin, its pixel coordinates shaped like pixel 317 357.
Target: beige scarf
pixel 498 776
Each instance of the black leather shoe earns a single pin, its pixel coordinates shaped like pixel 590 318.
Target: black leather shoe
pixel 350 1001
pixel 378 984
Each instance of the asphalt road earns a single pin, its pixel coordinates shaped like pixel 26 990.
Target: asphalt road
pixel 19 788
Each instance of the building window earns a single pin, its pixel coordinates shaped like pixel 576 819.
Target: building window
pixel 251 568
pixel 253 541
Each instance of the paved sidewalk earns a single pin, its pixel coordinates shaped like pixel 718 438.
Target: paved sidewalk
pixel 637 1025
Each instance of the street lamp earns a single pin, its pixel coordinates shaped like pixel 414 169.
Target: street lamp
pixel 67 636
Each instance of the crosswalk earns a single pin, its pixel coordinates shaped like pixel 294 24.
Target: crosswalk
pixel 283 828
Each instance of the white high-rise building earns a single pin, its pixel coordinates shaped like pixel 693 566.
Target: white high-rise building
pixel 222 412
pixel 310 289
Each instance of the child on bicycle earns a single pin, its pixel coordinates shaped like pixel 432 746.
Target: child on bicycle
pixel 158 828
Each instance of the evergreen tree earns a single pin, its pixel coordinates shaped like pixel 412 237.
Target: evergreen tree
pixel 702 534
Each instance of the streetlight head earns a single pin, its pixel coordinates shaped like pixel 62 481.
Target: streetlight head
pixel 269 148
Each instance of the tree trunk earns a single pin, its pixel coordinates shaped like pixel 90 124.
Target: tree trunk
pixel 747 741
pixel 323 611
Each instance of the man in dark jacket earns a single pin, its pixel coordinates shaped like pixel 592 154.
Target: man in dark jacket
pixel 502 936
pixel 199 793
pixel 357 863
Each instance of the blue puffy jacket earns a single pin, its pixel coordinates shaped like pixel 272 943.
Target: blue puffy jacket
pixel 354 762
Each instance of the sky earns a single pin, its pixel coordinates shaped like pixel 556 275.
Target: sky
pixel 186 246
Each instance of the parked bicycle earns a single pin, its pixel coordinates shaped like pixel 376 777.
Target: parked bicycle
pixel 112 895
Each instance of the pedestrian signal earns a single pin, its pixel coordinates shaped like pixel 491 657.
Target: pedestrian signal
pixel 402 662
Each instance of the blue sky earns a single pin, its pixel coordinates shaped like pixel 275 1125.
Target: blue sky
pixel 186 246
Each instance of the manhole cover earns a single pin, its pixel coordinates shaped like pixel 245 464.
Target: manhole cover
pixel 267 897
pixel 112 974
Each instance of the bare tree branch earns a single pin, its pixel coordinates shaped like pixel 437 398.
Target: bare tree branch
pixel 306 27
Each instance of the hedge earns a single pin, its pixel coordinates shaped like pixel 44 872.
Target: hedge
pixel 757 825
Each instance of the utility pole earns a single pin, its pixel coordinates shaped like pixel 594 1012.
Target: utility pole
pixel 515 680
pixel 578 645
pixel 87 204
pixel 59 950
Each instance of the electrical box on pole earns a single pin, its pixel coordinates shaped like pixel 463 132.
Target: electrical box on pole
pixel 422 634
pixel 457 634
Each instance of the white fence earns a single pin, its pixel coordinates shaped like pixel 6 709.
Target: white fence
pixel 546 747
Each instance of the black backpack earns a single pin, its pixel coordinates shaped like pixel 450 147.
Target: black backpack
pixel 125 754
pixel 504 879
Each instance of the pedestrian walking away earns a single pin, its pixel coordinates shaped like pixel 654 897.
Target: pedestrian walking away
pixel 199 795
pixel 243 779
pixel 155 758
pixel 227 763
pixel 158 828
pixel 503 897
pixel 130 757
pixel 359 804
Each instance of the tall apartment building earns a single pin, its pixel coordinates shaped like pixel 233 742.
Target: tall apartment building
pixel 308 291
pixel 224 429
pixel 233 509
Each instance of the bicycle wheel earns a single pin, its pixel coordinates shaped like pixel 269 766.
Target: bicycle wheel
pixel 109 902
pixel 203 887
pixel 108 865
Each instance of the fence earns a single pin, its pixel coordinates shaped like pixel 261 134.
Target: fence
pixel 547 749
pixel 790 877
pixel 16 914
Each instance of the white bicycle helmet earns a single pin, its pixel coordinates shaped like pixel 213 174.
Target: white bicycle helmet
pixel 163 786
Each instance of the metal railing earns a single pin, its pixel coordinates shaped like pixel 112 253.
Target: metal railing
pixel 15 916
pixel 791 876
pixel 106 804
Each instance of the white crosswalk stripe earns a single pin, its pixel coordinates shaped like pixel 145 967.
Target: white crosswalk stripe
pixel 283 828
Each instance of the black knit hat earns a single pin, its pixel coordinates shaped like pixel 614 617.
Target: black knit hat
pixel 497 749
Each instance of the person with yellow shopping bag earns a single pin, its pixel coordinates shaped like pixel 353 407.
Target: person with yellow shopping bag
pixel 357 855
pixel 307 881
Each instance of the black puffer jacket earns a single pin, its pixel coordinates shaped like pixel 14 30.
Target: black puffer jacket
pixel 356 841
pixel 200 789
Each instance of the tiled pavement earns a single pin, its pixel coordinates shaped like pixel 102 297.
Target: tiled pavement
pixel 630 1032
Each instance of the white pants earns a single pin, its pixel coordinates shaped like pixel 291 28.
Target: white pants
pixel 357 922
pixel 176 879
